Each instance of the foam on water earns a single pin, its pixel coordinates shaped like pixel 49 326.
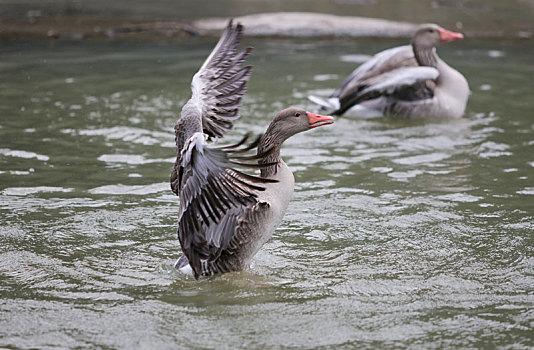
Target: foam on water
pixel 23 154
pixel 120 189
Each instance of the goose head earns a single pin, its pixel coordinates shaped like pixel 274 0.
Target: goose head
pixel 293 120
pixel 431 35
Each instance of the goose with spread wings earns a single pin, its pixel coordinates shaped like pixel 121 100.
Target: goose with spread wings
pixel 226 214
pixel 409 81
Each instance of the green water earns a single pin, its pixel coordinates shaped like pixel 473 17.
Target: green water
pixel 399 234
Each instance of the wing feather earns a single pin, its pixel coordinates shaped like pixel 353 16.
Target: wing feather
pixel 221 82
pixel 396 81
pixel 213 199
pixel 379 63
pixel 217 90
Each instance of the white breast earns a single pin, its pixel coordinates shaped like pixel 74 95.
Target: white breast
pixel 277 195
pixel 451 92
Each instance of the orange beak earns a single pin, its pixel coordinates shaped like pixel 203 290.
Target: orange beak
pixel 447 36
pixel 317 120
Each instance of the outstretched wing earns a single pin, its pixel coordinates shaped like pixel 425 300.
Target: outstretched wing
pixel 217 90
pixel 407 82
pixel 221 82
pixel 213 198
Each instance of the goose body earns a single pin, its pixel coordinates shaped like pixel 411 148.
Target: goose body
pixel 409 81
pixel 258 222
pixel 226 215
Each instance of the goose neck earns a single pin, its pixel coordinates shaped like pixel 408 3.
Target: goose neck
pixel 425 56
pixel 270 145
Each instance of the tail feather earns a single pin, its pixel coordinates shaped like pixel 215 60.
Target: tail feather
pixel 328 105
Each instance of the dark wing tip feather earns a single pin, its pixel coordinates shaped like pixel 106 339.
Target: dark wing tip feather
pixel 252 145
pixel 254 178
pixel 252 165
pixel 236 145
pixel 230 152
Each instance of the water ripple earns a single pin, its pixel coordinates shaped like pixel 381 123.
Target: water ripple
pixel 23 154
pixel 132 135
pixel 132 159
pixel 24 191
pixel 120 189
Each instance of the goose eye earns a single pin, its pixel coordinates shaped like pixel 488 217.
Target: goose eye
pixel 297 114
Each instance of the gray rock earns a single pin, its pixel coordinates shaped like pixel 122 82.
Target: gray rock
pixel 305 24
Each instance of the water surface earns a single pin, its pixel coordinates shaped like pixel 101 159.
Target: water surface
pixel 400 233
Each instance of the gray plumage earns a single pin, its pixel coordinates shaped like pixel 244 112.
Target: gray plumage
pixel 407 81
pixel 226 215
pixel 214 199
pixel 217 89
pixel 212 194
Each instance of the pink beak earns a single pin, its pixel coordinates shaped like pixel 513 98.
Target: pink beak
pixel 317 120
pixel 447 36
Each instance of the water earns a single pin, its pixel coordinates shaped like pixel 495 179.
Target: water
pixel 400 233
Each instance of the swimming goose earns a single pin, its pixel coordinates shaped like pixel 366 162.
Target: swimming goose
pixel 226 215
pixel 408 81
